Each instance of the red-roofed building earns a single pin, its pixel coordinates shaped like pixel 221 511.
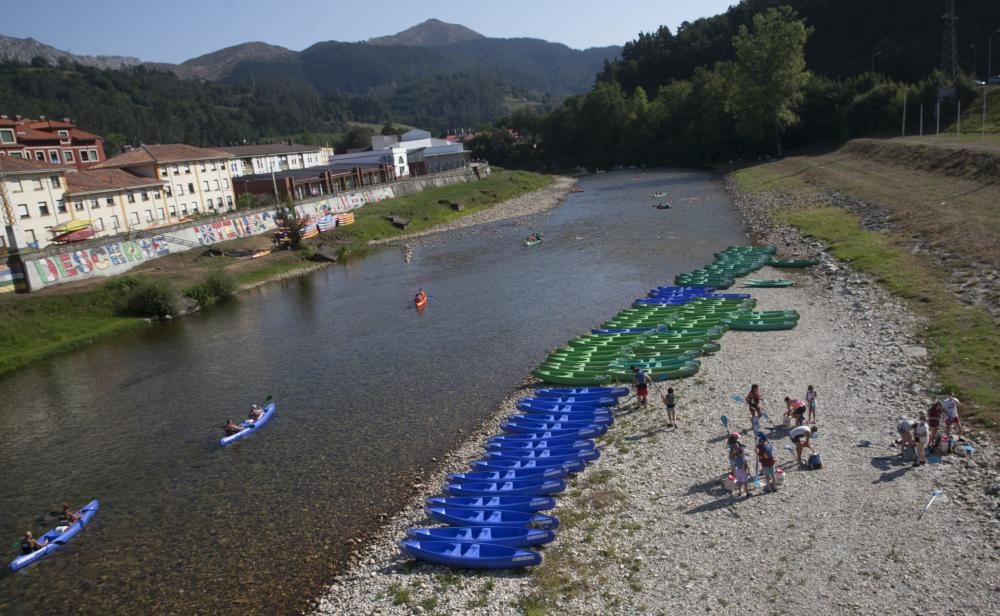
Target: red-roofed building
pixel 56 142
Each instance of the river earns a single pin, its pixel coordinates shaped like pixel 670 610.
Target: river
pixel 368 391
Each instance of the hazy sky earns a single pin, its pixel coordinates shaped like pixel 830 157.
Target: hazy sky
pixel 177 30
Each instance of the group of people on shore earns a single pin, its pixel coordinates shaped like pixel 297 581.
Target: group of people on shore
pixel 923 435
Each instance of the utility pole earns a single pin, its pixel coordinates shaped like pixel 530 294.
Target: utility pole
pixel 958 123
pixel 989 74
pixel 921 119
pixel 904 114
pixel 949 45
pixel 937 132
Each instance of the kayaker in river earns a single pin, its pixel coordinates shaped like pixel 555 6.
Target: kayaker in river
pixel 67 517
pixel 29 544
pixel 231 428
pixel 420 297
pixel 255 413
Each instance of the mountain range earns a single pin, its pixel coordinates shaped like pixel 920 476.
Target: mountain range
pixel 381 66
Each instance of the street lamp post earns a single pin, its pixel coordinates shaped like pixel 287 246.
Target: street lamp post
pixel 989 75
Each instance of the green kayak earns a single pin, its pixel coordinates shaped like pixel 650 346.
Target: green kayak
pixel 763 326
pixel 659 375
pixel 793 262
pixel 570 378
pixel 767 283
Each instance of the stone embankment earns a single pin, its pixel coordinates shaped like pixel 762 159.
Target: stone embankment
pixel 649 529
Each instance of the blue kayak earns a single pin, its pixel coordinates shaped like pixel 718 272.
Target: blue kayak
pixel 470 555
pixel 249 427
pixel 510 536
pixel 583 428
pixel 567 453
pixel 494 464
pixel 493 445
pixel 583 414
pixel 54 539
pixel 492 517
pixel 549 407
pixel 511 475
pixel 509 503
pixel 558 392
pixel 565 435
pixel 595 418
pixel 524 487
pixel 571 400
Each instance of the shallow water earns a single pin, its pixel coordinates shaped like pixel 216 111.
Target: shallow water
pixel 368 391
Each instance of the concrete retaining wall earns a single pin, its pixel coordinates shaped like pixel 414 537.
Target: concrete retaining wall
pixel 116 255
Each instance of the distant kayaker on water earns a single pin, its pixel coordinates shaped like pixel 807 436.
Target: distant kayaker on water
pixel 420 297
pixel 641 379
pixel 29 544
pixel 67 517
pixel 231 428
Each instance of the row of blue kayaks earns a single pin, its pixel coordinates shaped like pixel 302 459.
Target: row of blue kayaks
pixel 59 536
pixel 497 512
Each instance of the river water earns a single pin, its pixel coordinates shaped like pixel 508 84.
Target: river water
pixel 368 391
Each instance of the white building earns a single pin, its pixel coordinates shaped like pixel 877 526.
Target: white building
pixel 273 157
pixel 198 180
pixel 32 201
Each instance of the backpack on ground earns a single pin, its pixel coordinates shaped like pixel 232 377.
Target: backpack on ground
pixel 815 462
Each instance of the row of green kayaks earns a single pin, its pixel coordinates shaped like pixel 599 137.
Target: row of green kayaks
pixel 730 264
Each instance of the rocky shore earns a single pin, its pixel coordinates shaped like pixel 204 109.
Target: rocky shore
pixel 649 528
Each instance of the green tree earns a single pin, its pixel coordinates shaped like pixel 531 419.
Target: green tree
pixel 770 74
pixel 355 137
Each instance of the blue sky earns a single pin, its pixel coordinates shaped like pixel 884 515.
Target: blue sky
pixel 177 30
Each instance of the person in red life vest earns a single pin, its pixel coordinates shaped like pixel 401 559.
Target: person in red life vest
pixel 765 456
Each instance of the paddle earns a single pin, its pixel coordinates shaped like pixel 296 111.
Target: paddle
pixel 934 495
pixel 725 423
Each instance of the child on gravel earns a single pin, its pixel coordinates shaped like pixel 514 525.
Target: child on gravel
pixel 765 456
pixel 811 401
pixel 753 401
pixel 934 419
pixel 669 400
pixel 920 432
pixel 950 405
pixel 741 470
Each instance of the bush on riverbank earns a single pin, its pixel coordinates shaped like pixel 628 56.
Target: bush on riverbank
pixel 148 297
pixel 217 285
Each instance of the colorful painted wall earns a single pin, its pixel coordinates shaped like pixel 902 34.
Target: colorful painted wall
pixel 111 256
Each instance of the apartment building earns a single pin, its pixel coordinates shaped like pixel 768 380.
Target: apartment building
pixel 32 201
pixel 197 180
pixel 113 201
pixel 57 142
pixel 273 157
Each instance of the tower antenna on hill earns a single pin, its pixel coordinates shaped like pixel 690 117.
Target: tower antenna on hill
pixel 949 44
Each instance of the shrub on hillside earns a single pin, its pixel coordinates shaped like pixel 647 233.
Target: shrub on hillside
pixel 151 298
pixel 216 286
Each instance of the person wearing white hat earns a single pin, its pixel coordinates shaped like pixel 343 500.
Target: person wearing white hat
pixel 951 417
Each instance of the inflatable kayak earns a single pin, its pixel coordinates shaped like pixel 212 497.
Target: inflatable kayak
pixel 767 283
pixel 510 536
pixel 491 517
pixel 584 428
pixel 601 392
pixel 574 414
pixel 508 503
pixel 530 242
pixel 497 464
pixel 572 400
pixel 530 445
pixel 249 427
pixel 563 436
pixel 524 487
pixel 511 475
pixel 54 539
pixel 470 555
pixel 557 453
pixel 594 418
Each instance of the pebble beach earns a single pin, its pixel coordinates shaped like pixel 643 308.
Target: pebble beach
pixel 650 529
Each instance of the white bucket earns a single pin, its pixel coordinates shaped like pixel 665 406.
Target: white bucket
pixel 779 476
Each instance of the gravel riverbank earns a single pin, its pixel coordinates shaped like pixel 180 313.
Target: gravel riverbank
pixel 518 207
pixel 649 529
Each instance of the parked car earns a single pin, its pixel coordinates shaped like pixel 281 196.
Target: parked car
pixel 995 80
pixel 978 82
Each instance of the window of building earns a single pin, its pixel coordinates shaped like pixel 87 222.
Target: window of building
pixel 93 155
pixel 225 182
pixel 15 186
pixel 177 169
pixel 194 208
pixel 210 206
pixel 40 156
pixel 56 181
pixel 109 200
pixel 156 194
pixel 32 240
pixel 149 215
pixel 131 196
pixel 166 189
pixel 180 189
pixel 206 184
pixel 77 205
pixel 64 135
pixel 229 201
pixel 43 208
pixel 16 154
pixel 84 156
pixel 191 187
pixel 162 215
pixel 39 185
pixel 68 156
pixel 94 204
pixel 187 168
pixel 54 156
pixel 172 210
pixel 216 184
pixel 114 221
pixel 7 135
pixel 145 196
pixel 134 217
pixel 100 224
pixel 203 166
pixel 61 206
pixel 184 209
pixel 164 171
